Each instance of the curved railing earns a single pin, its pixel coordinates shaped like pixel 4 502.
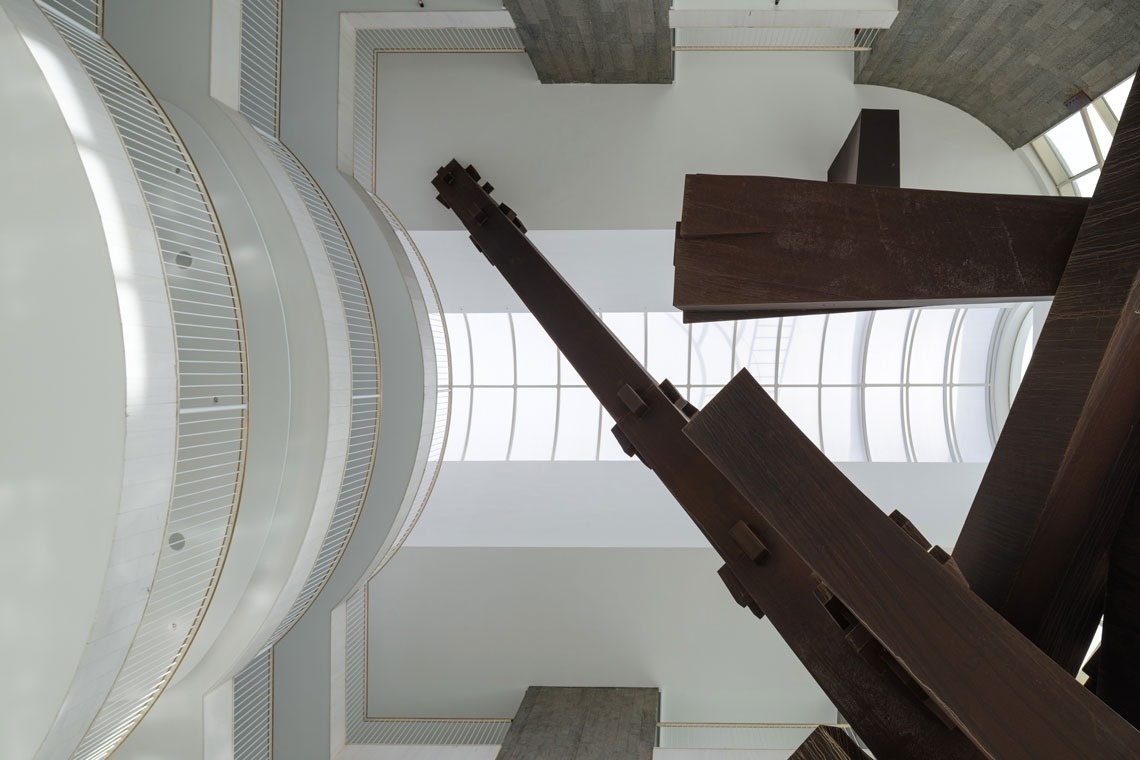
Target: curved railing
pixel 439 397
pixel 259 87
pixel 360 729
pixel 364 415
pixel 253 709
pixel 210 381
pixel 87 14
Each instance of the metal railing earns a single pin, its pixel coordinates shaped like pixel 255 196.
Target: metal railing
pixel 364 415
pixel 259 81
pixel 437 399
pixel 361 729
pixel 452 39
pixel 211 389
pixel 86 13
pixel 253 709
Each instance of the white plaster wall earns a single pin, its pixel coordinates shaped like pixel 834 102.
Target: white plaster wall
pixel 623 504
pixel 614 156
pixel 62 425
pixel 309 128
pixel 461 632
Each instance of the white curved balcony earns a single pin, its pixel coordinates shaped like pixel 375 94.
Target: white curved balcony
pixel 259 75
pixel 185 406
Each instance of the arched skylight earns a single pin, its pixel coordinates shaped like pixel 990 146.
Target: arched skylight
pixel 898 385
pixel 1073 151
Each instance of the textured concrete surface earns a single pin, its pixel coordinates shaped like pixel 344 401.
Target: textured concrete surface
pixel 597 41
pixel 1014 64
pixel 577 723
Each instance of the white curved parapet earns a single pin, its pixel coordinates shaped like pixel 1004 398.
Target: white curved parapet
pixel 188 411
pixel 87 452
pixel 437 394
pixel 259 101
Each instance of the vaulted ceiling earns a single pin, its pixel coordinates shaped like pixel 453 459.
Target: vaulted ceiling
pixel 1020 66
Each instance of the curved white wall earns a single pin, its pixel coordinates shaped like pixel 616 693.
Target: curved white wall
pixel 62 434
pixel 298 366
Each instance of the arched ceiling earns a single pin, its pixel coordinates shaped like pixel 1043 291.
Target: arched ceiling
pixel 1019 66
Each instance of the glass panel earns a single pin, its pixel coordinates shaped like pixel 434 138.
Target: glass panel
pixel 800 349
pixel 457 427
pixel 842 430
pixel 535 352
pixel 756 348
pixel 629 327
pixel 668 347
pixel 1117 96
pixel 712 353
pixel 534 424
pixel 928 425
pixel 928 347
pixel 492 348
pixel 885 347
pixel 1022 353
pixel 843 350
pixel 1100 131
pixel 882 413
pixel 490 424
pixel 1071 141
pixel 699 395
pixel 577 425
pixel 1086 185
pixel 972 353
pixel 971 423
pixel 460 349
pixel 802 405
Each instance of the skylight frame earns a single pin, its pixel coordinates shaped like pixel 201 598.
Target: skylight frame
pixel 1046 146
pixel 765 348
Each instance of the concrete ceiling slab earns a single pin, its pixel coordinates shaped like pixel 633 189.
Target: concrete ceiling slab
pixel 1017 65
pixel 606 42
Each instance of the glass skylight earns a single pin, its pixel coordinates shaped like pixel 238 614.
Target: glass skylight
pixel 1073 152
pixel 1117 95
pixel 899 385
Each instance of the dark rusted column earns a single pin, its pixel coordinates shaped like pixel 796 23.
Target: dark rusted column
pixel 1117 666
pixel 754 246
pixel 870 155
pixel 1035 543
pixel 761 571
pixel 1002 692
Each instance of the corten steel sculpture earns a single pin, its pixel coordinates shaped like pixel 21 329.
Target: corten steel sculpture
pixel 1052 536
pixel 920 666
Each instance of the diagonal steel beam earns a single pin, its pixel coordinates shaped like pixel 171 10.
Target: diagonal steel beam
pixel 761 570
pixel 1008 697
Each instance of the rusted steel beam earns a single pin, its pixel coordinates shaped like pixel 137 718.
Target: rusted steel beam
pixel 828 743
pixel 760 245
pixel 761 570
pixel 1004 694
pixel 870 154
pixel 1116 672
pixel 1062 475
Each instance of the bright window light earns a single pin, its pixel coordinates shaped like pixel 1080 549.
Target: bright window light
pixel 1071 141
pixel 894 385
pixel 1118 95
